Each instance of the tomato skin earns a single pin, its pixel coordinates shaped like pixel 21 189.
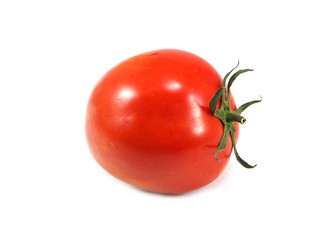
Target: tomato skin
pixel 149 124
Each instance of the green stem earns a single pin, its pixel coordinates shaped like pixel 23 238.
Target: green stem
pixel 239 159
pixel 234 117
pixel 214 101
pixel 244 106
pixel 227 116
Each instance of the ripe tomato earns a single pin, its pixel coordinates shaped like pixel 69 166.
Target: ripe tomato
pixel 149 124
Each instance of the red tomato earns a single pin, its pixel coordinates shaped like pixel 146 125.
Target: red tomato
pixel 149 123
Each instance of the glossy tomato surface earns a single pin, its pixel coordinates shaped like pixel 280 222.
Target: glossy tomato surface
pixel 149 124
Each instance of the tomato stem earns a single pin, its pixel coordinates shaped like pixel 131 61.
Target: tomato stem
pixel 235 117
pixel 227 116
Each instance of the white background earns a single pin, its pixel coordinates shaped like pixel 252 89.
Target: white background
pixel 53 53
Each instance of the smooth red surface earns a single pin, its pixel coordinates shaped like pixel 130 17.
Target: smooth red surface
pixel 148 122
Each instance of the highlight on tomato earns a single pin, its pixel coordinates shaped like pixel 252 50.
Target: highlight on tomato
pixel 164 121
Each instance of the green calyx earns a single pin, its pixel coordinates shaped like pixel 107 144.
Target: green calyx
pixel 227 116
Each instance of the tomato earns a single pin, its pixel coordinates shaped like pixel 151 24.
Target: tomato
pixel 149 123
